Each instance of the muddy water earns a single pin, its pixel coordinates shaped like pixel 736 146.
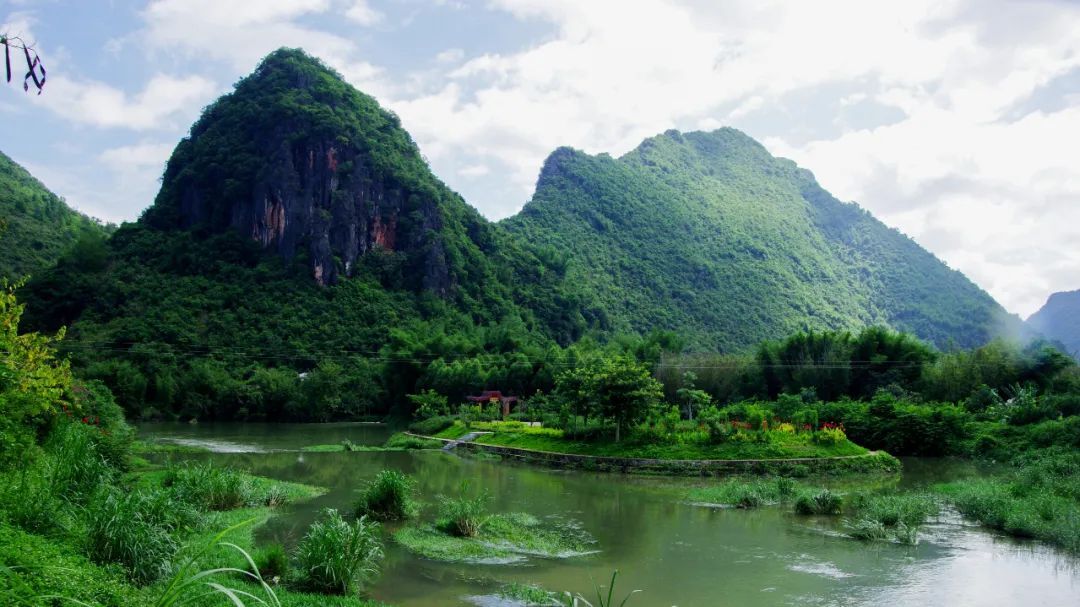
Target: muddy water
pixel 676 553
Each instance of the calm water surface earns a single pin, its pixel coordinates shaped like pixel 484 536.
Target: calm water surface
pixel 676 553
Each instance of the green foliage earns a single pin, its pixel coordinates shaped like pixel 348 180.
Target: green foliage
pixel 890 516
pixel 641 233
pixel 271 561
pixel 38 226
pixel 428 404
pixel 210 487
pixel 136 530
pixel 503 538
pixel 617 388
pixel 336 557
pixel 432 425
pixel 1039 499
pixel 464 515
pixel 390 497
pixel 745 493
pixel 32 566
pixel 824 501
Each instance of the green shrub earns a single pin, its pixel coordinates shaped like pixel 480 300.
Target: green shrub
pixel 747 496
pixel 910 510
pixel 867 529
pixel 276 495
pixel 271 561
pixel 76 466
pixel 895 516
pixel 463 516
pixel 390 497
pixel 785 487
pixel 822 502
pixel 336 557
pixel 27 500
pixel 404 441
pixel 210 487
pixel 829 436
pixel 135 529
pixel 431 426
pixel 32 566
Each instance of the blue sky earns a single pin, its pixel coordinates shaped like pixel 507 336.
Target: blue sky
pixel 955 121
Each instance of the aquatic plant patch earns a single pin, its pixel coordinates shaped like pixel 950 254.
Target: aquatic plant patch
pixel 744 493
pixel 502 539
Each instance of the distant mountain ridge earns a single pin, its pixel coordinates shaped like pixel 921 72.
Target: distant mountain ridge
pixel 709 235
pixel 1059 320
pixel 37 225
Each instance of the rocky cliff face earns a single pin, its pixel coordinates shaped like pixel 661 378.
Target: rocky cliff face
pixel 319 198
pixel 300 162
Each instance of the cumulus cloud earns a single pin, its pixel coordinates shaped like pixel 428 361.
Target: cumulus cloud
pixel 361 12
pixel 163 99
pixel 240 33
pixel 925 132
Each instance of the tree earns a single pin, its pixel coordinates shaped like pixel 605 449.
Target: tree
pixel 624 390
pixel 691 397
pixel 34 384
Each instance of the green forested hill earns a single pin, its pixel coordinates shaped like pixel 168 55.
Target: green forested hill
pixel 301 261
pixel 298 230
pixel 36 224
pixel 709 235
pixel 1059 319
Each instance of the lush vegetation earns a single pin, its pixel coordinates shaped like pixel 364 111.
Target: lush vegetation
pixel 83 521
pixel 338 557
pixel 187 314
pixel 1039 499
pixel 709 235
pixel 390 497
pixel 36 226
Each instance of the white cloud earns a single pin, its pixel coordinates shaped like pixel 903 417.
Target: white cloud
pixel 450 55
pixel 241 33
pixel 138 157
pixel 617 72
pixel 361 12
pixel 97 104
pixel 474 170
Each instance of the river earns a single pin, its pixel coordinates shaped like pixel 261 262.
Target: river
pixel 675 553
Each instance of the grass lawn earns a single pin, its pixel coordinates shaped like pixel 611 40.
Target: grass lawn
pixel 748 445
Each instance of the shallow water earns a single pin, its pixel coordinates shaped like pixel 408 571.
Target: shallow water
pixel 676 553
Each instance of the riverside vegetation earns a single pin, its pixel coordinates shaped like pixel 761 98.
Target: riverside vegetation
pixel 183 315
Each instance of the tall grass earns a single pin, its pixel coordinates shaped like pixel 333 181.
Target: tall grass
pixel 75 466
pixel 463 516
pixel 210 487
pixel 390 497
pixel 191 584
pixel 745 493
pixel 895 517
pixel 336 557
pixel 136 529
pixel 1040 499
pixel 823 502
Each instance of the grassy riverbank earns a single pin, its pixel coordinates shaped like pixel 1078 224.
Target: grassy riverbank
pixel 1039 498
pixel 693 445
pixel 74 527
